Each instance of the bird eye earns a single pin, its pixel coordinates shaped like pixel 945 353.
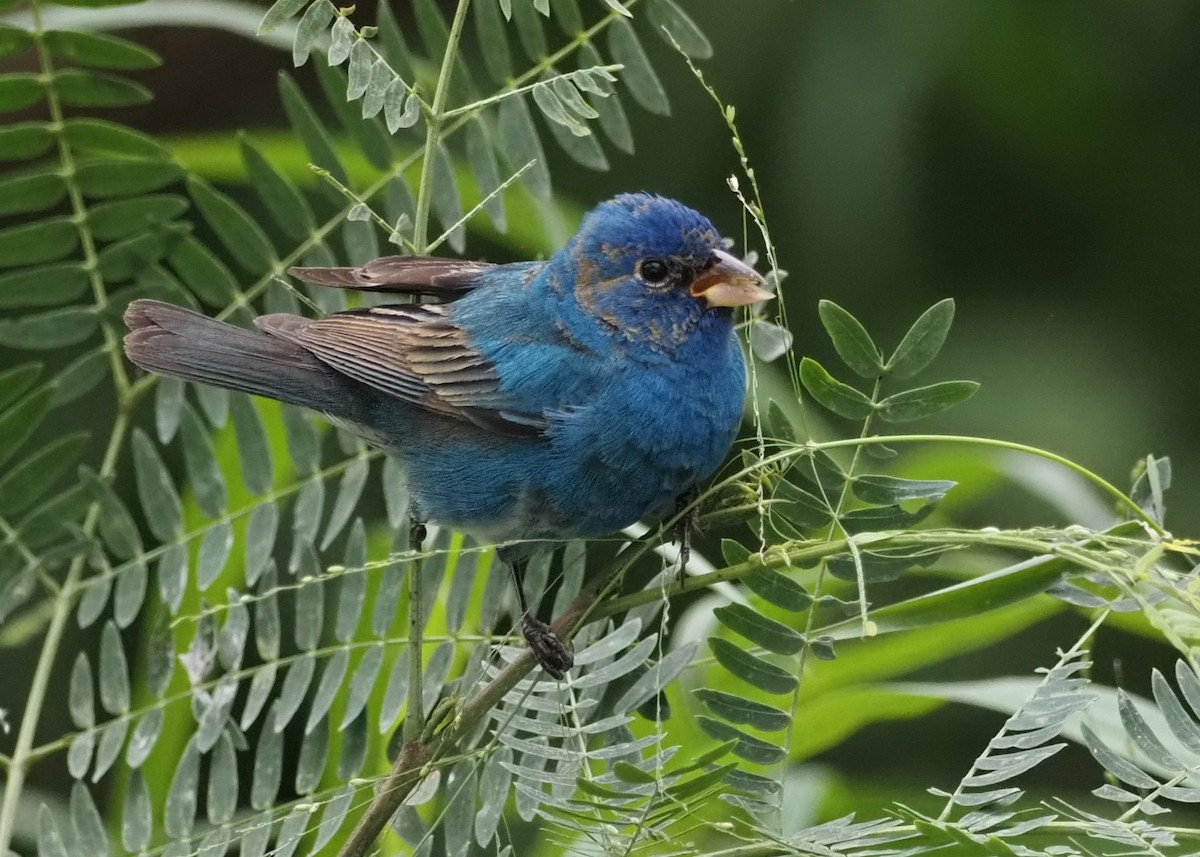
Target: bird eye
pixel 654 270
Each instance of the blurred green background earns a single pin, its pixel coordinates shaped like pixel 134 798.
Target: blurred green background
pixel 1036 161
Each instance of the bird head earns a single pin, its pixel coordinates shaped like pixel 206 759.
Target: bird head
pixel 651 268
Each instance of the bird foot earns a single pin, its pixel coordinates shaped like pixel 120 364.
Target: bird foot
pixel 554 656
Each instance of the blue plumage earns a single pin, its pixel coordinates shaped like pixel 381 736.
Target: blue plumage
pixel 538 401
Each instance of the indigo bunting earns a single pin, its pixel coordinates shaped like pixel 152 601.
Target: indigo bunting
pixel 535 401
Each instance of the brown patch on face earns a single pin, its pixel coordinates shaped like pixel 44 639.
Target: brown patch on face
pixel 586 285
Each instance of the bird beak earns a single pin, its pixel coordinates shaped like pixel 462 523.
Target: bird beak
pixel 729 282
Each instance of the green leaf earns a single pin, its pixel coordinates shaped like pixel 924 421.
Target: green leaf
pixel 638 74
pixel 666 15
pixel 568 16
pixel 172 575
pixel 327 688
pixel 213 554
pixel 854 345
pixel 91 839
pixel 778 589
pixel 777 424
pixel 260 539
pixel 553 109
pixel 530 32
pixel 309 31
pixel 377 86
pixel 612 118
pixel 739 709
pixel 45 285
pixel 19 422
pixel 99 136
pixel 112 221
pixel 885 490
pixel 840 398
pixel 1143 736
pixel 876 567
pixel 310 130
pixel 484 167
pixel 144 737
pixel 96 89
pixel 268 761
pixel 295 686
pixel 113 672
pixel 748 747
pixel 432 26
pixel 81 693
pixel 137 819
pixel 99 50
pixel 16 381
pixel 656 677
pixel 493 41
pixel 310 602
pixel 203 273
pixel 288 207
pixel 130 257
pixel 14 41
pixel 923 341
pixel 19 91
pixel 253 449
pixel 313 753
pixel 925 401
pixel 369 134
pixel 883 518
pixel 280 11
pixel 759 629
pixel 446 203
pixel 179 813
pixel 751 668
pixel 244 238
pixel 349 490
pixel 103 179
pixel 362 683
pixel 803 509
pixel 204 475
pixel 520 144
pixel 26 482
pixel 80 376
pixel 31 192
pixel 1116 765
pixel 160 500
pixel 24 140
pixel 961 600
pixel 401 109
pixel 579 143
pixel 32 243
pixel 130 594
pixel 1182 725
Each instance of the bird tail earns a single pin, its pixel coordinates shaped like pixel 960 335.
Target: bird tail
pixel 174 341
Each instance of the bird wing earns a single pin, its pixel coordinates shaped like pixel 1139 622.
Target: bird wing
pixel 425 275
pixel 415 353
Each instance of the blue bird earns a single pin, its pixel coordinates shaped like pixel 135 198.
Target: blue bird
pixel 537 401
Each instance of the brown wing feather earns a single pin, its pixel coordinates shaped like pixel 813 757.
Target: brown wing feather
pixel 413 352
pixel 425 275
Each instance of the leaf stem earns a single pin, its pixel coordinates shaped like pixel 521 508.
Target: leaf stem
pixel 21 757
pixel 433 126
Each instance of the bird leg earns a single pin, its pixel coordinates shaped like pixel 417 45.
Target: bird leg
pixel 686 526
pixel 554 656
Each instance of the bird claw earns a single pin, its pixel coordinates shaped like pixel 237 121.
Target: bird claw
pixel 554 656
pixel 684 528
